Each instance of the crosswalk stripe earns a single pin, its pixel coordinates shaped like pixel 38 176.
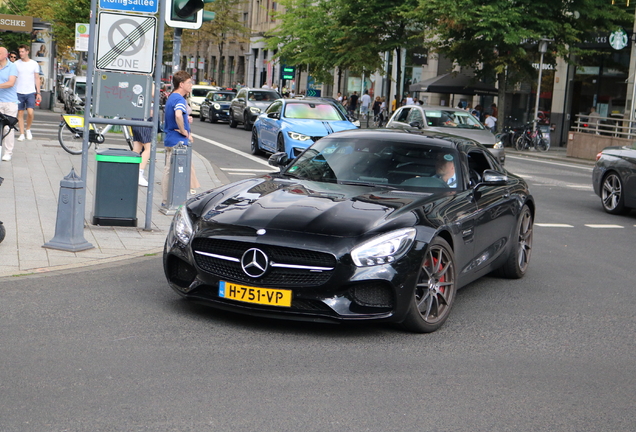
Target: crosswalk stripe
pixel 603 226
pixel 554 225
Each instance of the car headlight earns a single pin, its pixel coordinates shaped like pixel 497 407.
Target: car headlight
pixel 255 110
pixel 298 136
pixel 217 106
pixel 196 103
pixel 182 226
pixel 498 145
pixel 384 249
pixel 356 123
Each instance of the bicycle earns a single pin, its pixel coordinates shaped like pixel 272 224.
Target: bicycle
pixel 71 134
pixel 530 138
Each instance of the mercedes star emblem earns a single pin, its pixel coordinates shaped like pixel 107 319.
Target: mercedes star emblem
pixel 254 262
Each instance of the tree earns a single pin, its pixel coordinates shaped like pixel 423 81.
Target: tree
pixel 63 15
pixel 226 27
pixel 348 34
pixel 499 36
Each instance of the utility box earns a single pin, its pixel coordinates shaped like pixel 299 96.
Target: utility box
pixel 116 179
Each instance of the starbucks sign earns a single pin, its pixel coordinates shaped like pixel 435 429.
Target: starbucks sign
pixel 618 40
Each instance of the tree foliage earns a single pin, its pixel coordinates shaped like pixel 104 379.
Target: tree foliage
pixel 63 15
pixel 348 34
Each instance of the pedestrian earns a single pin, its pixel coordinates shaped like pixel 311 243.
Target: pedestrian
pixel 409 100
pixel 477 112
pixel 365 101
pixel 593 120
pixel 377 107
pixel 177 124
pixel 491 122
pixel 28 89
pixel 339 97
pixel 8 99
pixel 13 56
pixel 353 103
pixel 494 111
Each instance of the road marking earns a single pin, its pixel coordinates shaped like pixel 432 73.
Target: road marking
pixel 603 226
pixel 248 170
pixel 554 225
pixel 582 167
pixel 233 150
pixel 580 186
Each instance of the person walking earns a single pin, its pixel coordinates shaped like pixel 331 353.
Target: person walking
pixel 177 124
pixel 353 104
pixel 8 99
pixel 365 101
pixel 28 89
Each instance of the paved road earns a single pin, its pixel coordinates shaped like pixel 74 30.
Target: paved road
pixel 113 349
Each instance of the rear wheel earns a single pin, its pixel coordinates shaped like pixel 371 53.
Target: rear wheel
pixel 3 232
pixel 517 263
pixel 254 148
pixel 434 293
pixel 70 141
pixel 612 196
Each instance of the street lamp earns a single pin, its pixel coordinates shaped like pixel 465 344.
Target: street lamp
pixel 543 48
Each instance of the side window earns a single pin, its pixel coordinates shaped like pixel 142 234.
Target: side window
pixel 274 108
pixel 242 94
pixel 478 162
pixel 416 116
pixel 403 115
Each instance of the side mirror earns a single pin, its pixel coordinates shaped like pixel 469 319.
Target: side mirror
pixel 240 100
pixel 278 160
pixel 415 124
pixel 273 115
pixel 494 178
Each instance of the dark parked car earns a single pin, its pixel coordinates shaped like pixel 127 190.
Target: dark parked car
pixel 363 225
pixel 614 179
pixel 248 104
pixel 216 106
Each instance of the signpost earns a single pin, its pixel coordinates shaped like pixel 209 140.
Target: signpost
pixel 126 42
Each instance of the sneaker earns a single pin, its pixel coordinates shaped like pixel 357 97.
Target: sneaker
pixel 21 137
pixel 6 157
pixel 28 135
pixel 142 181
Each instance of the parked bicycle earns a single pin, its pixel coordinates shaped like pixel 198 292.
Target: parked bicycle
pixel 71 134
pixel 532 138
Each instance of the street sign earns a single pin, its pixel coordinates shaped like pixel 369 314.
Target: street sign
pixel 288 72
pixel 81 36
pixel 123 94
pixel 141 6
pixel 126 43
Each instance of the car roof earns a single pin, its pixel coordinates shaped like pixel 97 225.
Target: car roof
pixel 398 135
pixel 205 86
pixel 437 107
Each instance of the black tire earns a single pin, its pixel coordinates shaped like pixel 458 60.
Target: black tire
pixel 254 148
pixel 201 116
pixel 612 194
pixel 520 142
pixel 542 145
pixel 3 232
pixel 246 122
pixel 435 290
pixel 280 144
pixel 517 264
pixel 232 122
pixel 69 140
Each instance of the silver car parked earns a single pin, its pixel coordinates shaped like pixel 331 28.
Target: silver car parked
pixel 448 120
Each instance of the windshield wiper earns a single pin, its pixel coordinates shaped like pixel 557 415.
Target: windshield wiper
pixel 363 183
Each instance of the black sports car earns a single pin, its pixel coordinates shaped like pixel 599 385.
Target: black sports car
pixel 614 179
pixel 363 225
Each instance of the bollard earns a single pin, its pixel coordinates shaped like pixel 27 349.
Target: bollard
pixel 69 225
pixel 179 180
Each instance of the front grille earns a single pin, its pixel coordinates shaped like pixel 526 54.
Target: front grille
pixel 180 272
pixel 275 276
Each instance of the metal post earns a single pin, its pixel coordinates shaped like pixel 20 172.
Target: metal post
pixel 543 48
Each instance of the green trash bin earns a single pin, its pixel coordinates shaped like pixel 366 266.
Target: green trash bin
pixel 116 179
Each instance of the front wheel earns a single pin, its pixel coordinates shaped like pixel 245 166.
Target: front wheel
pixel 543 145
pixel 233 122
pixel 246 122
pixel 612 196
pixel 517 264
pixel 520 143
pixel 3 232
pixel 435 290
pixel 254 148
pixel 70 140
pixel 280 144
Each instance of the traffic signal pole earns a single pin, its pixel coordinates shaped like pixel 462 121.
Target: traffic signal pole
pixel 176 50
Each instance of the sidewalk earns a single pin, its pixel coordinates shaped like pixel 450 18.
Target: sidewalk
pixel 28 209
pixel 554 153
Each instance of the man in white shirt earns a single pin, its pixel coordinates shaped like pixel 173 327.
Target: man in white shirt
pixel 28 89
pixel 445 168
pixel 365 101
pixel 491 123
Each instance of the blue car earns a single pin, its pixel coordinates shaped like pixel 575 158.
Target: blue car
pixel 292 125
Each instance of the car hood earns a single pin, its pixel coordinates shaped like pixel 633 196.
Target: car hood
pixel 481 136
pixel 318 127
pixel 197 99
pixel 308 207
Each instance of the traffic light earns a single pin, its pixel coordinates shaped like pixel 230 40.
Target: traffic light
pixel 187 14
pixel 288 72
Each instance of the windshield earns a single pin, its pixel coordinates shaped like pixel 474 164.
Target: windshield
pixel 200 92
pixel 375 162
pixel 262 96
pixel 80 89
pixel 452 119
pixel 223 97
pixel 312 111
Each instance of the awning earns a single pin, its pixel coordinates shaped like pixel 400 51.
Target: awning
pixel 451 83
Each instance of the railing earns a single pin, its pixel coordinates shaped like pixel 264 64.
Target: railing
pixel 607 126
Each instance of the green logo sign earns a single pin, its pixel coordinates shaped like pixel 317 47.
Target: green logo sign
pixel 288 72
pixel 81 29
pixel 618 40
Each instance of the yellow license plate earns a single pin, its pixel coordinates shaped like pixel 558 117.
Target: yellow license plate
pixel 265 296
